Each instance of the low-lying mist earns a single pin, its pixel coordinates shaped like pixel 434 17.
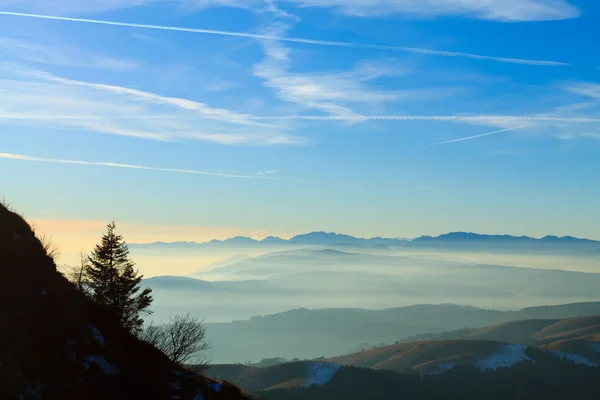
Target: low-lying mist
pixel 225 285
pixel 240 285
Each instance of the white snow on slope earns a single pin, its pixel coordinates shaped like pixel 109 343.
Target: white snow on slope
pixel 215 387
pixel 198 396
pixel 97 335
pixel 104 365
pixel 321 373
pixel 508 356
pixel 575 358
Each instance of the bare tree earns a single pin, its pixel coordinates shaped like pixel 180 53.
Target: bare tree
pixel 76 273
pixel 181 339
pixel 49 247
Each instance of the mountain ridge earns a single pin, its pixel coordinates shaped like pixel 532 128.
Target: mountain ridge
pixel 332 238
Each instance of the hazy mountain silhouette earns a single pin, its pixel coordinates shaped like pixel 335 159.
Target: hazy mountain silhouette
pixel 458 240
pixel 180 283
pixel 307 333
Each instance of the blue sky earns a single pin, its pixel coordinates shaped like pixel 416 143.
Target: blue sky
pixel 248 119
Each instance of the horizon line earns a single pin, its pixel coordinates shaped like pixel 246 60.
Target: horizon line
pixel 370 238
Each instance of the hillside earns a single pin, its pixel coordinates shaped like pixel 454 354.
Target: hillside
pixel 421 370
pixel 437 356
pixel 288 375
pixel 540 342
pixel 305 333
pixel 548 378
pixel 536 332
pixel 58 345
pixel 577 339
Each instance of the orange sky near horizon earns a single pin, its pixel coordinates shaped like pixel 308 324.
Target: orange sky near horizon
pixel 82 235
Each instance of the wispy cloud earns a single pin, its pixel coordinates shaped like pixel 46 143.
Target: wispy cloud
pixel 258 6
pixel 272 171
pixel 45 100
pixel 295 40
pixel 21 157
pixel 338 92
pixel 505 10
pixel 42 52
pixel 483 119
pixel 482 135
pixel 205 110
pixel 73 6
pixel 579 135
pixel 326 92
pixel 587 89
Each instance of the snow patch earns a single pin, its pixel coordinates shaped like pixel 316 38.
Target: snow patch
pixel 101 362
pixel 215 387
pixel 321 373
pixel 508 356
pixel 575 358
pixel 198 396
pixel 97 335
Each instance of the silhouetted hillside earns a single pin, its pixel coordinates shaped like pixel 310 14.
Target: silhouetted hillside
pixel 58 345
pixel 549 378
pixel 254 379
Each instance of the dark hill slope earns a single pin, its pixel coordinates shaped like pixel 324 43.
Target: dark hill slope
pixel 254 379
pixel 55 344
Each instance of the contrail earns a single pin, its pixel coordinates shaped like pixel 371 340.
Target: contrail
pixel 441 118
pixel 297 40
pixel 79 117
pixel 434 118
pixel 10 156
pixel 482 135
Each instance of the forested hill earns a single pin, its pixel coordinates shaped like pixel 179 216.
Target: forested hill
pixel 551 379
pixel 56 344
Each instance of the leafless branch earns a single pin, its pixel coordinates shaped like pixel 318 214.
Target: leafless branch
pixel 182 339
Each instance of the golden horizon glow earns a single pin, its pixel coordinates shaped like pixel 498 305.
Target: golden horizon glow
pixel 82 235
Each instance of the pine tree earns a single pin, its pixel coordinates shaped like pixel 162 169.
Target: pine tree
pixel 114 283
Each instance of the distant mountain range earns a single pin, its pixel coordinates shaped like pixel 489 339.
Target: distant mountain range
pixel 457 240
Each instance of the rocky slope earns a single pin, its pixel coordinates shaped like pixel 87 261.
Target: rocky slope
pixel 58 345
